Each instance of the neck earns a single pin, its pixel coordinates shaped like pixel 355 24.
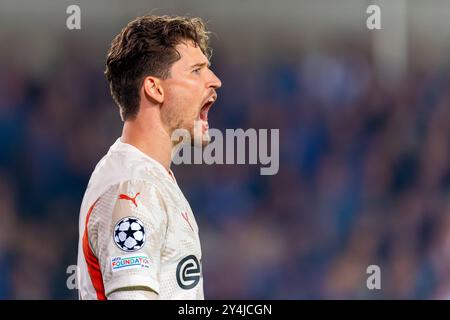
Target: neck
pixel 150 137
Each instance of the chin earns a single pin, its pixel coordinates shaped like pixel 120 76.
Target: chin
pixel 205 140
pixel 199 134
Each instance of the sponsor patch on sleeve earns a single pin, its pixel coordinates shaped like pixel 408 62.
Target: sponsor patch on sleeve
pixel 130 262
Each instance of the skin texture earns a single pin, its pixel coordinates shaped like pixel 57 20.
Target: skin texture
pixel 172 103
pixel 165 106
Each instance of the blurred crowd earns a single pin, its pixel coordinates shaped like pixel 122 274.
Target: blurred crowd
pixel 364 178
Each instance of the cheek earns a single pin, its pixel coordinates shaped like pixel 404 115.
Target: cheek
pixel 182 107
pixel 189 101
pixel 179 94
pixel 185 96
pixel 192 94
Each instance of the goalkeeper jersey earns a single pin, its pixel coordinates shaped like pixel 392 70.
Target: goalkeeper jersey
pixel 137 230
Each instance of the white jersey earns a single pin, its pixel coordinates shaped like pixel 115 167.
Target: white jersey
pixel 137 230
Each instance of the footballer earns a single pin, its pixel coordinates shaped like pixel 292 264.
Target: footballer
pixel 138 235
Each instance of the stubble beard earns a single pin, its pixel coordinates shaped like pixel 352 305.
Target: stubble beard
pixel 193 132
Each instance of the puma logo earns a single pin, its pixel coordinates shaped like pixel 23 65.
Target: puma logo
pixel 132 199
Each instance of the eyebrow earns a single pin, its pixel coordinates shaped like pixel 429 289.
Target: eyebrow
pixel 201 65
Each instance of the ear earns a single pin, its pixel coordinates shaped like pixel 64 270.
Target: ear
pixel 153 89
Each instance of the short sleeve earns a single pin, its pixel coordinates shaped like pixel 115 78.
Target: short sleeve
pixel 127 230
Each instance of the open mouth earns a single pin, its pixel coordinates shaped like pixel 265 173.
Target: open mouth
pixel 206 107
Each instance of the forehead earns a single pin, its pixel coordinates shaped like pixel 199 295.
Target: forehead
pixel 190 54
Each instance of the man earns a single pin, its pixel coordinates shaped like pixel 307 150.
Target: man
pixel 138 235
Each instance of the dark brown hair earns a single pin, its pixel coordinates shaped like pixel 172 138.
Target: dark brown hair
pixel 146 47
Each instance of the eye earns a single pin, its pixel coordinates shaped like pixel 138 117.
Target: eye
pixel 196 70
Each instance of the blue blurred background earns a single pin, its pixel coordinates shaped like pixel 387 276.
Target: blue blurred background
pixel 364 145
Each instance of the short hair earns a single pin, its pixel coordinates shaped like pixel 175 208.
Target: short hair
pixel 146 47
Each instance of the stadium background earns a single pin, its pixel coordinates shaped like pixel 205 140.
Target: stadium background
pixel 364 145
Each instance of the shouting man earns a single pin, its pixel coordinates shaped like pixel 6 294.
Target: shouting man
pixel 138 235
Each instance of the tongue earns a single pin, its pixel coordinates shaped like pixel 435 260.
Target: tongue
pixel 204 115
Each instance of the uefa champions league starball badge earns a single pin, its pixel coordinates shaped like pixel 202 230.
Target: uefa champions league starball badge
pixel 129 234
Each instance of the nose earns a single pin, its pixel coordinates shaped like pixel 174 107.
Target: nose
pixel 215 82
